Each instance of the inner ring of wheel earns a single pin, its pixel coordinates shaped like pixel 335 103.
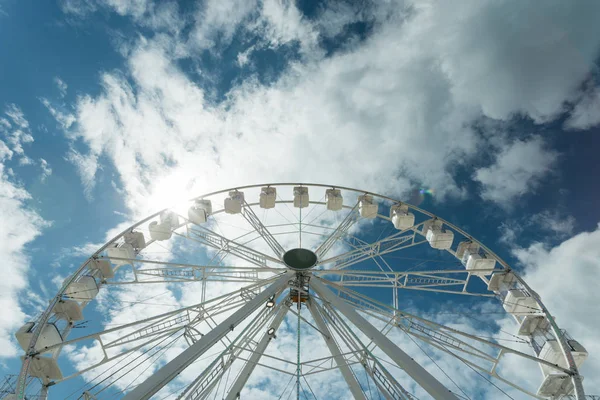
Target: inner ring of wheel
pixel 300 259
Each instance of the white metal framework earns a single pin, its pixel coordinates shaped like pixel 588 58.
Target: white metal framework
pixel 374 294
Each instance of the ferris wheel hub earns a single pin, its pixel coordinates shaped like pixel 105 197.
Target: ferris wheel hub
pixel 300 259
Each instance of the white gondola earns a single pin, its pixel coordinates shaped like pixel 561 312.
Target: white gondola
pixel 198 213
pixel 529 323
pixel 120 254
pixel 557 383
pixel 233 204
pixel 103 267
pixel 45 368
pixel 552 353
pixel 69 310
pixel 164 229
pixel 300 197
pixel 367 206
pixel 401 217
pixel 84 289
pixel 438 237
pixel 519 302
pixel 160 231
pixel 135 239
pixel 267 198
pixel 334 199
pixel 49 336
pixel 501 281
pixel 475 261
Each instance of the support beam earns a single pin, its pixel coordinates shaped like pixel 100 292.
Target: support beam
pixel 385 381
pixel 170 371
pixel 242 378
pixel 340 231
pixel 404 361
pixel 258 226
pixel 353 384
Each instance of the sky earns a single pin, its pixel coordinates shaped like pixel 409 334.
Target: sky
pixel 111 110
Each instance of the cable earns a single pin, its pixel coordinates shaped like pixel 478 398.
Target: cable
pixel 436 364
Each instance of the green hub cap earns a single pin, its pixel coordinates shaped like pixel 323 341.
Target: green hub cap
pixel 300 259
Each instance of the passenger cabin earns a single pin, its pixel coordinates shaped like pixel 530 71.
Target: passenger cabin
pixel 367 207
pixel 401 218
pixel 49 336
pixel 301 197
pixel 438 237
pixel 520 302
pixel 163 229
pixel 334 199
pixel 120 254
pixel 475 260
pixel 198 213
pixel 85 288
pixel 234 202
pixel 267 198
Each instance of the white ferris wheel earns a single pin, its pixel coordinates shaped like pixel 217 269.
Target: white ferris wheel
pixel 356 286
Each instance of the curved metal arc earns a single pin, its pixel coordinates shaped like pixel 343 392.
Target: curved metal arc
pixel 21 383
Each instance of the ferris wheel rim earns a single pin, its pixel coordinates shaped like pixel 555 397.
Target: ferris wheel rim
pixel 47 313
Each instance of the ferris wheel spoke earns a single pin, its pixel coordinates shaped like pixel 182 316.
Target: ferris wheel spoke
pixel 441 281
pixel 392 243
pixel 341 230
pixel 412 368
pixel 486 357
pixel 250 216
pixel 173 368
pixel 237 386
pixel 211 239
pixel 160 272
pixel 385 381
pixel 206 381
pixel 336 353
pixel 127 338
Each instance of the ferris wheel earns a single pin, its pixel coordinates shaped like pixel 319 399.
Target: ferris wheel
pixel 293 290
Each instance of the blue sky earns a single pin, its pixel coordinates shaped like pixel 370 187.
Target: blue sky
pixel 112 109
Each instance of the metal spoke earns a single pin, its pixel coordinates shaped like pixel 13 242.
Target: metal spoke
pixel 384 381
pixel 221 243
pixel 398 241
pixel 412 368
pixel 203 385
pixel 240 382
pixel 434 281
pixel 335 351
pixel 252 218
pixel 339 232
pixel 168 372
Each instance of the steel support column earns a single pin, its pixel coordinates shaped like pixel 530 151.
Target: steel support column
pixel 242 378
pixel 404 361
pixel 170 371
pixel 353 384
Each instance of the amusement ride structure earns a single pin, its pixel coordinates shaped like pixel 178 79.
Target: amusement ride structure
pixel 292 268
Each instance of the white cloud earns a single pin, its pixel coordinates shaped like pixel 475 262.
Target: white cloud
pixel 394 110
pixel 586 113
pixel 513 57
pixel 21 225
pixel 552 224
pixel 516 171
pixel 567 277
pixel 46 170
pixel 16 131
pixel 64 118
pixel 61 85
